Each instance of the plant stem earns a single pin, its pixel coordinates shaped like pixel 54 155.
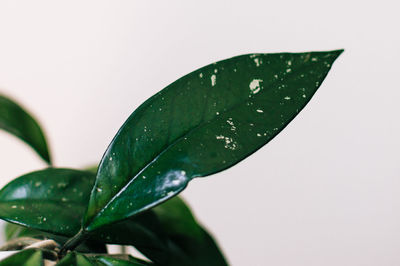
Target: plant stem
pixel 73 242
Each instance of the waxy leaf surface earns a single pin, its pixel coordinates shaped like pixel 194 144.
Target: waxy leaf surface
pixel 51 200
pixel 15 120
pixel 201 124
pixel 28 257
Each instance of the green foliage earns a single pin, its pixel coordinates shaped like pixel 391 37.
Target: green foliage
pixel 15 120
pixel 201 124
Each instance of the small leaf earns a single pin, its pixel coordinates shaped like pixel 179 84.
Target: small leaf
pixel 15 120
pixel 50 200
pixel 27 257
pixel 201 124
pixel 167 234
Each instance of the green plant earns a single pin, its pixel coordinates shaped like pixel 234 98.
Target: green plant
pixel 201 124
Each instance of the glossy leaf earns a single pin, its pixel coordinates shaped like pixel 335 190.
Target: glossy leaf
pixel 167 234
pixel 15 120
pixel 201 124
pixel 28 257
pixel 51 200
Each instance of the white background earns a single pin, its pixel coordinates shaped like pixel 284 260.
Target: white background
pixel 324 192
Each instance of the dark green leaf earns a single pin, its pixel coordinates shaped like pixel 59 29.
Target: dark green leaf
pixel 15 120
pixel 28 257
pixel 197 246
pixel 201 124
pixel 75 259
pixel 167 234
pixel 51 200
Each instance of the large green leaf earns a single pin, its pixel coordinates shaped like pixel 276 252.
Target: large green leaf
pixel 15 120
pixel 51 200
pixel 167 234
pixel 28 257
pixel 201 124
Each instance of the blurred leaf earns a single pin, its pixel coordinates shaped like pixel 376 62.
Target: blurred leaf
pixel 201 124
pixel 167 234
pixel 27 257
pixel 15 120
